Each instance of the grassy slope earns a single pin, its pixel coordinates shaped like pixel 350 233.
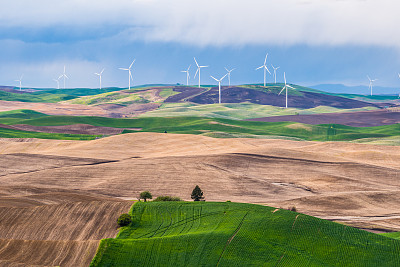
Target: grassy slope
pixel 395 235
pixel 122 97
pixel 238 111
pixel 216 127
pixel 53 95
pixel 234 234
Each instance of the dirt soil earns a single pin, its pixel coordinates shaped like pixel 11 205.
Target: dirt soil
pixel 356 119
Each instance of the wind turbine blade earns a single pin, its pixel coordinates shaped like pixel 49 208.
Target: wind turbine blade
pixel 223 77
pixel 196 72
pixel 189 67
pixel 203 66
pixel 102 71
pixel 214 78
pixel 21 77
pixel 291 87
pixel 265 61
pixel 368 78
pixel 130 76
pixel 227 69
pixel 282 90
pixel 284 76
pixel 183 71
pixel 65 75
pixel 267 69
pixel 123 69
pixel 260 67
pixel 60 77
pixel 97 73
pixel 196 62
pixel 132 63
pixel 399 75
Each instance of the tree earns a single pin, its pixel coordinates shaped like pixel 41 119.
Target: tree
pixel 197 194
pixel 124 220
pixel 146 195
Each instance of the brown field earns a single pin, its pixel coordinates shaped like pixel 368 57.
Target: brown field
pixel 58 198
pixel 105 110
pixel 355 119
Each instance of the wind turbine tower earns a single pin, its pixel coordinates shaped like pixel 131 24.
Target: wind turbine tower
pixel 265 68
pixel 99 74
pixel 229 75
pixel 219 86
pixel 275 71
pixel 130 73
pixel 187 75
pixel 198 70
pixel 20 82
pixel 370 83
pixel 286 87
pixel 58 82
pixel 63 76
pixel 399 77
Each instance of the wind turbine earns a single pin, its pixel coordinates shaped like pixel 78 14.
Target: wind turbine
pixel 58 82
pixel 130 73
pixel 20 82
pixel 187 75
pixel 275 71
pixel 219 86
pixel 229 75
pixel 370 83
pixel 63 76
pixel 286 87
pixel 198 70
pixel 399 77
pixel 265 68
pixel 99 74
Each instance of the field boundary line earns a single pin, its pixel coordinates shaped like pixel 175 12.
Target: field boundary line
pixel 232 237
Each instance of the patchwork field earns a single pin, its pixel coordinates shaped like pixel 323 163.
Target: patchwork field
pixel 61 194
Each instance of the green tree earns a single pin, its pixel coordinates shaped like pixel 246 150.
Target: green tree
pixel 124 220
pixel 146 195
pixel 197 194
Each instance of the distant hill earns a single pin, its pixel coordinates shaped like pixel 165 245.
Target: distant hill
pixel 269 95
pixel 360 89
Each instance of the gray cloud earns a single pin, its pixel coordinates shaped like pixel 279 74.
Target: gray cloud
pixel 217 22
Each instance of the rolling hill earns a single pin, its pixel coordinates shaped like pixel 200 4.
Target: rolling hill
pixel 233 234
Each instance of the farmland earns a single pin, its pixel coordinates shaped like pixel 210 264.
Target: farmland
pixel 230 234
pixel 214 127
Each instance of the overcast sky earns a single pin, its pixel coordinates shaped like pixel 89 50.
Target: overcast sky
pixel 313 41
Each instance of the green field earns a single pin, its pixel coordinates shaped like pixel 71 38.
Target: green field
pixel 52 95
pixel 137 95
pixel 214 127
pixel 235 234
pixel 237 111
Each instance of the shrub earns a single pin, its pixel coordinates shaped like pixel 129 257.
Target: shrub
pixel 293 208
pixel 228 201
pixel 167 198
pixel 124 220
